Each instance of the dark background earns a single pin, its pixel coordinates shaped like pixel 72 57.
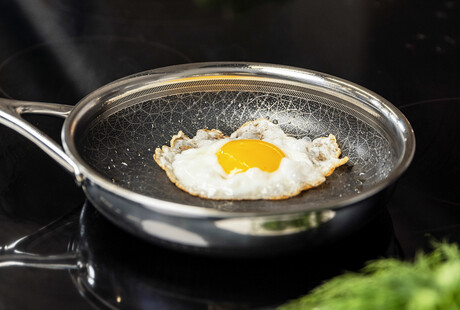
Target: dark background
pixel 59 51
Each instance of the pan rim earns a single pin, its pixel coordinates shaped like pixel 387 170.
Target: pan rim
pixel 176 71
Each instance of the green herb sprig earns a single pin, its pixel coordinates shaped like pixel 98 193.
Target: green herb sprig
pixel 430 282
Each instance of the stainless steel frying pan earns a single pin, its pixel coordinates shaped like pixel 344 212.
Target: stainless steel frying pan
pixel 109 138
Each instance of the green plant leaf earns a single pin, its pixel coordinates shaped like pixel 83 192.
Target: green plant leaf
pixel 430 282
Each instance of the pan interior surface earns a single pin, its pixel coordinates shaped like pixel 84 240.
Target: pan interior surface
pixel 119 142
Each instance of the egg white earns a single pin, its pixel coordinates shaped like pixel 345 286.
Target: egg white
pixel 193 166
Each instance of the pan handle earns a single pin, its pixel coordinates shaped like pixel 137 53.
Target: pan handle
pixel 10 116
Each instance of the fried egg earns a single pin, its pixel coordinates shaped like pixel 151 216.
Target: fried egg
pixel 257 161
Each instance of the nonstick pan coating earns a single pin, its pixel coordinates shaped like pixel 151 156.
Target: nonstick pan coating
pixel 120 142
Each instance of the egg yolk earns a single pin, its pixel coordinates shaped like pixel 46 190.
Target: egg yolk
pixel 240 155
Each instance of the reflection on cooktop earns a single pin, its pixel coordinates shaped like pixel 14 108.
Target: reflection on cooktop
pixel 114 269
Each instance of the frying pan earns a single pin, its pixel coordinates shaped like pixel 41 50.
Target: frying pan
pixel 109 138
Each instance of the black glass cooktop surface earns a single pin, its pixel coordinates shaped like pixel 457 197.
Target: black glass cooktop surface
pixel 54 51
